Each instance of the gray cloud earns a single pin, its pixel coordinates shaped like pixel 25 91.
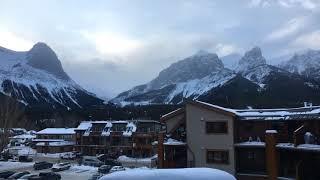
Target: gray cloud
pixel 111 46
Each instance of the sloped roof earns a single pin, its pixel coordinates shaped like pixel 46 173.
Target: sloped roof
pixel 172 114
pixel 57 131
pixel 310 112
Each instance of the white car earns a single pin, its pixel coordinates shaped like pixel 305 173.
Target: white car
pixel 117 168
pixel 61 167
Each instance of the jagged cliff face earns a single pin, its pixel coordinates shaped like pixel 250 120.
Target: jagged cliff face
pixel 195 67
pixel 36 77
pixel 41 56
pixel 253 66
pixel 203 76
pixel 251 59
pixel 189 77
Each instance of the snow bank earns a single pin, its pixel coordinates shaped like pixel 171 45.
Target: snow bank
pixel 170 174
pixel 81 168
pixel 14 165
pixel 51 155
pixel 138 162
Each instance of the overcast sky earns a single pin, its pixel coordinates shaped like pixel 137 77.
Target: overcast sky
pixel 111 46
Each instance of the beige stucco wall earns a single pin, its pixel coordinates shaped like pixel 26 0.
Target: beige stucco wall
pixel 172 122
pixel 198 141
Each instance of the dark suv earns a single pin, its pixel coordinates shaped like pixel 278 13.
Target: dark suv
pixel 42 165
pixel 50 176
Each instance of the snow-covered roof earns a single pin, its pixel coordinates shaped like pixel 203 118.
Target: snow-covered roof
pixel 84 125
pixel 23 136
pixel 218 107
pixel 174 142
pixel 61 143
pixel 176 174
pixel 47 140
pixel 177 111
pixel 309 112
pixel 131 127
pixel 251 144
pixel 304 147
pixel 280 113
pixel 57 131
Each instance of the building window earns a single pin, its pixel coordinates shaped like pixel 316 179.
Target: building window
pixel 217 156
pixel 251 155
pixel 216 127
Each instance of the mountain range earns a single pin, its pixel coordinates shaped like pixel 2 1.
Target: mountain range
pixel 250 82
pixel 36 78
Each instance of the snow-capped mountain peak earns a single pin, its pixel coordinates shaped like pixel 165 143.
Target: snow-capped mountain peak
pixel 36 77
pixel 251 59
pixel 194 67
pixel 189 77
pixel 41 56
pixel 299 63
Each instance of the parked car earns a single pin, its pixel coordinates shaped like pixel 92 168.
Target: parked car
pixel 6 174
pixel 117 168
pixel 69 155
pixel 28 176
pixel 91 161
pixel 61 167
pixel 50 176
pixel 42 165
pixel 104 169
pixel 18 175
pixel 25 159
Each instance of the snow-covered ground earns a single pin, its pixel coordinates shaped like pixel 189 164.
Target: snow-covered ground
pixel 138 162
pixel 14 165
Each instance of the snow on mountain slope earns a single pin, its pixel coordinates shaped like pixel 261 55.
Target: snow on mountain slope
pixel 196 87
pixel 254 67
pixel 188 78
pixel 203 76
pixel 37 77
pixel 306 63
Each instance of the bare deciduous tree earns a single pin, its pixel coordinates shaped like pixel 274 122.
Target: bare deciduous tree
pixel 11 112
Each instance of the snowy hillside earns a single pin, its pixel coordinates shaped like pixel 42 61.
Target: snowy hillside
pixel 188 78
pixel 36 77
pixel 306 63
pixel 203 76
pixel 254 67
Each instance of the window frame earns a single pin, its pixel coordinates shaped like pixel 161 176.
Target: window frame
pixel 227 162
pixel 226 124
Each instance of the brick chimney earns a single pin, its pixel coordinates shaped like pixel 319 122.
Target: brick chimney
pixel 271 154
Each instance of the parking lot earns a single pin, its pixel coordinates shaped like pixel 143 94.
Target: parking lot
pixel 76 171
